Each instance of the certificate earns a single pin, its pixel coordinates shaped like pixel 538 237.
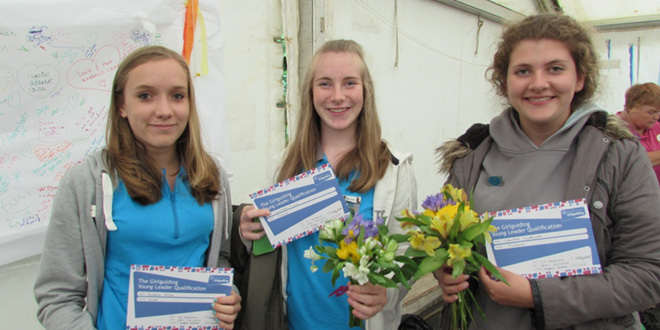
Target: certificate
pixel 299 206
pixel 162 297
pixel 550 240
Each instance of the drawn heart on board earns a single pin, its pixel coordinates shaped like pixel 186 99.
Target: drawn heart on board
pixel 38 81
pixel 92 74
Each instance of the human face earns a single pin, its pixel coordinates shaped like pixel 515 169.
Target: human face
pixel 642 117
pixel 541 81
pixel 156 104
pixel 338 92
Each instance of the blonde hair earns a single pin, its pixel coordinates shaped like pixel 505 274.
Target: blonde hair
pixel 126 155
pixel 369 158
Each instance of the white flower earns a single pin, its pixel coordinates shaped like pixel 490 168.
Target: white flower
pixel 371 243
pixel 311 254
pixel 330 229
pixel 358 274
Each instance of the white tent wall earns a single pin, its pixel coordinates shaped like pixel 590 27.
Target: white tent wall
pixel 438 89
pixel 616 67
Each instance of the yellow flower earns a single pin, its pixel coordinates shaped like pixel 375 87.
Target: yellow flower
pixel 420 242
pixel 458 252
pixel 448 212
pixel 491 229
pixel 468 218
pixel 441 226
pixel 404 224
pixel 456 194
pixel 346 251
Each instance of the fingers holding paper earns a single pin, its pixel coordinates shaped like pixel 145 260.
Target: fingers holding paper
pixel 367 300
pixel 250 229
pixel 225 310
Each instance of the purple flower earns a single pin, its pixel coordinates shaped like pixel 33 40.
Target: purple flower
pixel 352 230
pixel 436 202
pixel 371 227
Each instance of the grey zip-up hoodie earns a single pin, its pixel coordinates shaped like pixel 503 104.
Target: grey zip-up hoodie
pixel 612 172
pixel 71 273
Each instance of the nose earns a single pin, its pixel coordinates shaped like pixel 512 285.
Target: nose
pixel 539 81
pixel 338 95
pixel 163 108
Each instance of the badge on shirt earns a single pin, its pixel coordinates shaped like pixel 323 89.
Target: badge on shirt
pixel 353 203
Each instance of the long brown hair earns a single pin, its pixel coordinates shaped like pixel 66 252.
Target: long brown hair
pixel 370 156
pixel 557 27
pixel 126 156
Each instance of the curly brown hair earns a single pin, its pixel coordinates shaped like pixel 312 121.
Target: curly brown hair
pixel 557 27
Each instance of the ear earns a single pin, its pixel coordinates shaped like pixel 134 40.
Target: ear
pixel 579 85
pixel 122 111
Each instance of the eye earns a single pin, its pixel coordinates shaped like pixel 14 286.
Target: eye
pixel 144 96
pixel 556 69
pixel 179 96
pixel 351 83
pixel 521 72
pixel 323 84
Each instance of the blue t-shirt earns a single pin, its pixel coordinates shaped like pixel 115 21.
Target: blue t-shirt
pixel 175 231
pixel 311 303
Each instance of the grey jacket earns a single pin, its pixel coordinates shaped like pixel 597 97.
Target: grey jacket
pixel 71 273
pixel 613 173
pixel 262 279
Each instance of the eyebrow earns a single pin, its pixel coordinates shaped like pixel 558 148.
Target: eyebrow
pixel 151 86
pixel 556 61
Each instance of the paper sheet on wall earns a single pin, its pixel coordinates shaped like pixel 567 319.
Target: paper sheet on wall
pixel 57 64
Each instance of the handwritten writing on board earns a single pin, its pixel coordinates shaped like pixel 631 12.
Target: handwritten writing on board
pixel 54 95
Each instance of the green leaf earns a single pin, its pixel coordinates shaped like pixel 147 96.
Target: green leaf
pixel 412 252
pixel 457 267
pixel 383 231
pixel 473 231
pixel 405 260
pixel 381 280
pixel 430 264
pixel 329 265
pixel 399 238
pixel 336 272
pixel 384 264
pixel 360 239
pixel 408 271
pixel 419 220
pixel 331 251
pixel 401 278
pixel 490 267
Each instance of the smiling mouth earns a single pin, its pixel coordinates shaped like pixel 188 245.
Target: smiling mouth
pixel 539 99
pixel 337 110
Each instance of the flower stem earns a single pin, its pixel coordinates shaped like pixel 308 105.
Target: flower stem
pixel 353 321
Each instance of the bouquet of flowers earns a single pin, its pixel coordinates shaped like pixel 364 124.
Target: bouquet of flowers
pixel 447 233
pixel 364 251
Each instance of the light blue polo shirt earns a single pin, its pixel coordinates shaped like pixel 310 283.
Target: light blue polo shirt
pixel 310 302
pixel 175 231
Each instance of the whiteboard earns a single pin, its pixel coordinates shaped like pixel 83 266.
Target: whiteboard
pixel 57 64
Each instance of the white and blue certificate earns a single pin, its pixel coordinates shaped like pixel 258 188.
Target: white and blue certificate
pixel 299 206
pixel 161 297
pixel 540 241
